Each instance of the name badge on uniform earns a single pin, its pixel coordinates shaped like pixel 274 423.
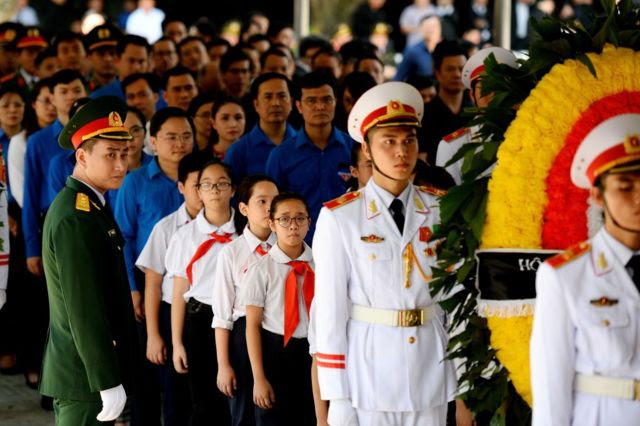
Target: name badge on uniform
pixel 372 239
pixel 603 302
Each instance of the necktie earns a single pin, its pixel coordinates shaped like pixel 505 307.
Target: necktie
pixel 634 265
pixel 262 251
pixel 291 314
pixel 396 212
pixel 204 248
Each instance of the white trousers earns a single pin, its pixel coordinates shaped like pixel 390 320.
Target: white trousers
pixel 436 416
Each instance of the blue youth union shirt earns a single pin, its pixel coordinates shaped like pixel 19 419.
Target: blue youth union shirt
pixel 248 155
pixel 146 196
pixel 318 175
pixel 42 147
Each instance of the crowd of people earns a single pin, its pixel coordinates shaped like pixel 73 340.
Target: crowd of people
pixel 235 146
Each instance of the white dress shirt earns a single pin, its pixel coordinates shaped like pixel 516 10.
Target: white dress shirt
pixel 264 285
pixel 233 262
pixel 183 246
pixel 15 156
pixel 154 252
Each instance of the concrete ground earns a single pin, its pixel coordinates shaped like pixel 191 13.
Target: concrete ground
pixel 19 405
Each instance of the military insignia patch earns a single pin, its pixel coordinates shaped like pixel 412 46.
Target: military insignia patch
pixel 114 119
pixel 603 302
pixel 82 202
pixel 418 202
pixel 425 233
pixel 372 239
pixel 373 209
pixel 342 200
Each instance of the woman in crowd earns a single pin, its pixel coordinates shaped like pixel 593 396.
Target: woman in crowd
pixel 228 119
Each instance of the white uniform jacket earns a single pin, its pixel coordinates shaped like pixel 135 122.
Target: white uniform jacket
pixel 362 259
pixel 586 321
pixel 449 146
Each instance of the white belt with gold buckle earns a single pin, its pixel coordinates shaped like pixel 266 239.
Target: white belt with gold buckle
pixel 608 386
pixel 392 317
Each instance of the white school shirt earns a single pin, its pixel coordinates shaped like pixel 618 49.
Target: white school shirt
pixel 233 262
pixel 263 286
pixel 153 254
pixel 15 168
pixel 183 246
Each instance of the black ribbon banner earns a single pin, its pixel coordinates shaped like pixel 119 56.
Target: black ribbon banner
pixel 505 274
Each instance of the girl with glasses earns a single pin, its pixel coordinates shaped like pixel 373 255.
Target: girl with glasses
pixel 278 291
pixel 255 194
pixel 191 260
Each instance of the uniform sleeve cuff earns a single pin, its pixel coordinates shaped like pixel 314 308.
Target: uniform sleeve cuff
pixel 220 323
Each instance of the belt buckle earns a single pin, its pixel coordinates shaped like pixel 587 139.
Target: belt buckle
pixel 411 318
pixel 636 390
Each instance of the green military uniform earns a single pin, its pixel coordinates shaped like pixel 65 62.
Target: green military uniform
pixel 92 340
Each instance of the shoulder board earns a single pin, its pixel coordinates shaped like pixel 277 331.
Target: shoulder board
pixel 7 77
pixel 455 135
pixel 432 190
pixel 569 254
pixel 342 200
pixel 82 202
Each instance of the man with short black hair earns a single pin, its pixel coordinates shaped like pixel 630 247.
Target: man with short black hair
pixel 216 48
pixel 165 56
pixel 46 63
pixel 179 87
pixel 443 115
pixel 193 54
pixel 175 29
pixel 275 60
pixel 133 56
pixel 313 162
pixel 327 59
pixel 235 68
pixel 273 101
pixel 372 65
pixel 70 51
pixel 89 361
pixel 141 91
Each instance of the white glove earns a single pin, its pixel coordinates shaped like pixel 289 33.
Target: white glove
pixel 342 413
pixel 113 401
pixel 3 297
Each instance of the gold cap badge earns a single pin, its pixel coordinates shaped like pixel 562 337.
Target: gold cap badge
pixel 115 120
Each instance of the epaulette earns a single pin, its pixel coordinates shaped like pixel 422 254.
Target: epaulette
pixel 456 134
pixel 569 254
pixel 342 200
pixel 82 202
pixel 7 77
pixel 433 190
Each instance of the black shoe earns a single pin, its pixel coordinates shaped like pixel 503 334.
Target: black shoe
pixel 46 402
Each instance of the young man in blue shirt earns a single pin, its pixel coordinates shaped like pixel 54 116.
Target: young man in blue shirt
pixel 151 192
pixel 66 87
pixel 315 162
pixel 272 99
pixel 133 57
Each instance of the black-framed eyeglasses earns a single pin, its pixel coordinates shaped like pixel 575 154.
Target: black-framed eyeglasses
pixel 285 221
pixel 208 186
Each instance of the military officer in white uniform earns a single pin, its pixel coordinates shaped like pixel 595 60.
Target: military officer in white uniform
pixel 585 345
pixel 472 80
pixel 381 340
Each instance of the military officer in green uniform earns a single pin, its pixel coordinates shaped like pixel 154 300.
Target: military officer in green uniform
pixel 88 360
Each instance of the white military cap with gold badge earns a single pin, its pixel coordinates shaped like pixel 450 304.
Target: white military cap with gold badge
pixel 385 105
pixel 612 146
pixel 474 66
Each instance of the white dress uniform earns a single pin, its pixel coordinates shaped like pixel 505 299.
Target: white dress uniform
pixel 234 261
pixel 585 343
pixel 586 325
pixel 362 260
pixel 154 252
pixel 449 146
pixel 183 246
